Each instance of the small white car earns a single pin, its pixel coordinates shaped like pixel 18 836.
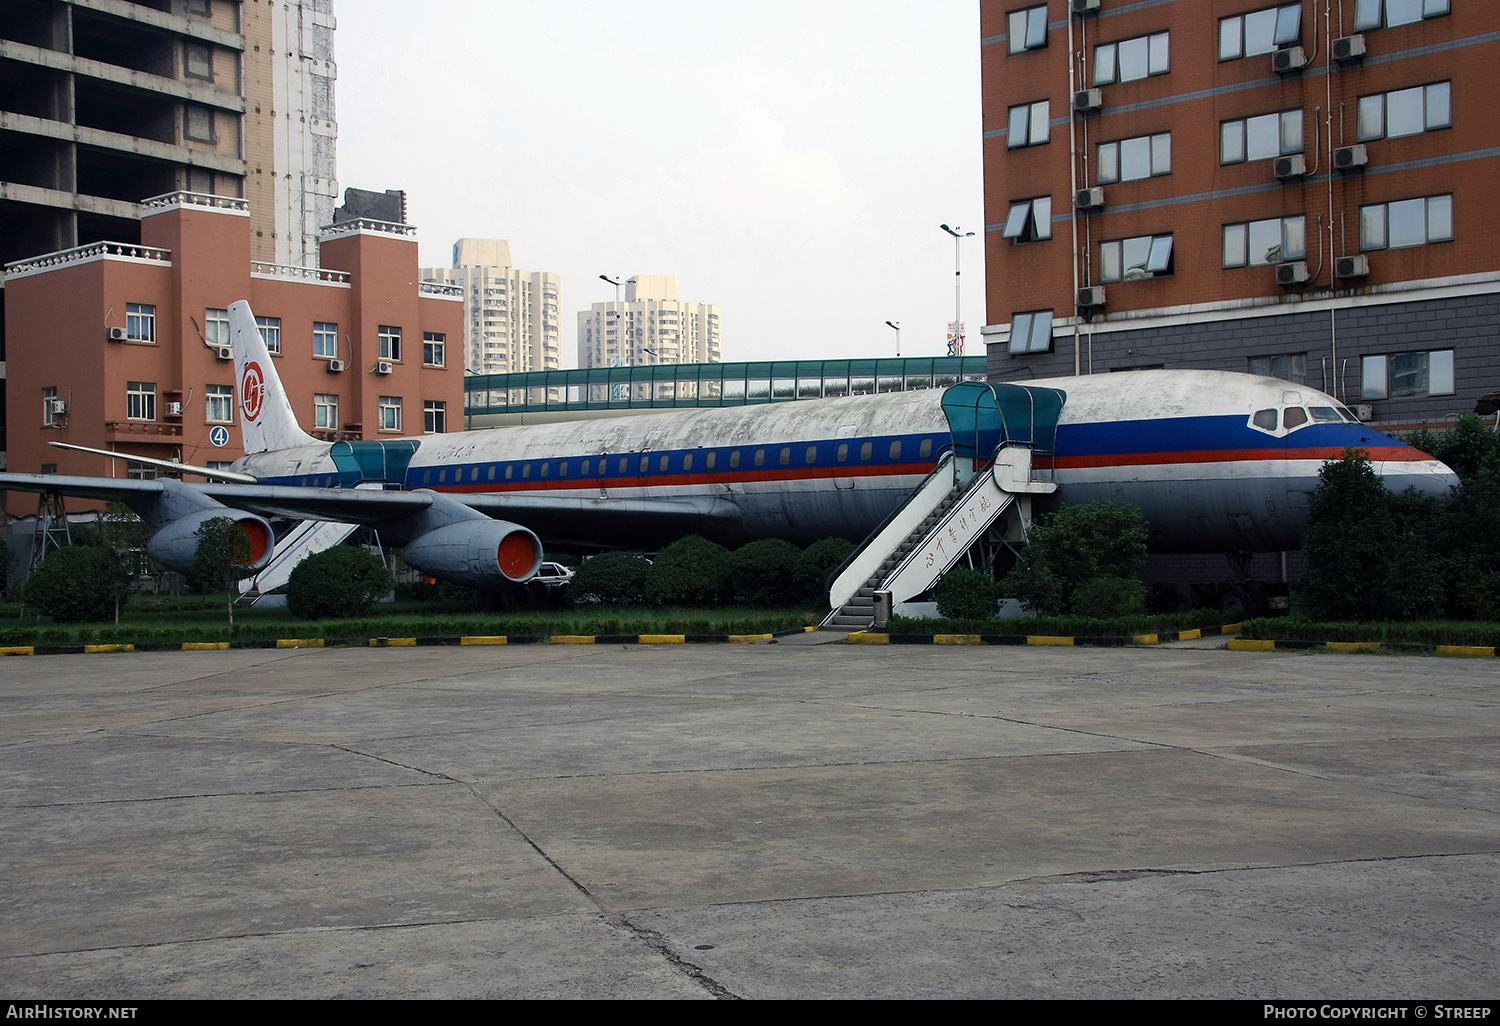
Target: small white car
pixel 552 575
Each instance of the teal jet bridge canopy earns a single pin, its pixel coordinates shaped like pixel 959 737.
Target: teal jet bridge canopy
pixel 983 416
pixel 384 462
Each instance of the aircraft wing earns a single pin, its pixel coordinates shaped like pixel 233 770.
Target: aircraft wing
pixel 343 504
pixel 592 521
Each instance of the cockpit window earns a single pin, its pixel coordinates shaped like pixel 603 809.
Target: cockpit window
pixel 1265 420
pixel 1324 414
pixel 1351 418
pixel 1293 417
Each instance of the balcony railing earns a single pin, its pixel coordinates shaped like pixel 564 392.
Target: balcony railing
pixel 432 288
pixel 291 272
pixel 140 427
pixel 168 200
pixel 93 251
pixel 367 224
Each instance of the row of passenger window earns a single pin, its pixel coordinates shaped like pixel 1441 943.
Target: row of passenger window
pixel 664 463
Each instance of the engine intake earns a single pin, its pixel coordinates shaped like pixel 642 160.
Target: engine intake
pixel 176 544
pixel 477 552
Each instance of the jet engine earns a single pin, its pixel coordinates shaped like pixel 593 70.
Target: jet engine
pixel 176 544
pixel 478 553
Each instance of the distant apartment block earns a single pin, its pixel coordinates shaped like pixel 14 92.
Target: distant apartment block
pixel 651 325
pixel 1289 189
pixel 511 317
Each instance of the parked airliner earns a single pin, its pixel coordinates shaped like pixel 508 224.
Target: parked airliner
pixel 1217 461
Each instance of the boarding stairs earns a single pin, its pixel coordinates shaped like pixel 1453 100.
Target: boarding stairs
pixel 307 538
pixel 989 475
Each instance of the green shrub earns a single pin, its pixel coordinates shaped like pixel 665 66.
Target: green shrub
pixel 965 594
pixel 692 571
pixel 762 573
pixel 337 584
pixel 614 578
pixel 1077 544
pixel 1109 598
pixel 817 561
pixel 79 584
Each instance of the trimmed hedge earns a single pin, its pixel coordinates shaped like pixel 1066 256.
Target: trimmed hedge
pixel 762 572
pixel 613 578
pixel 690 571
pixel 1062 626
pixel 341 582
pixel 78 584
pixel 1418 634
pixel 965 594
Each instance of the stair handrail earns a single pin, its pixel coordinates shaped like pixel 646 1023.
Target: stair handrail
pixel 976 483
pixel 946 459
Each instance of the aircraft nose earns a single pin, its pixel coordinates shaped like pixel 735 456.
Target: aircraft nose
pixel 1427 476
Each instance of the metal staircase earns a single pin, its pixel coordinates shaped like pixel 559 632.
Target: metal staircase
pixel 997 429
pixel 858 612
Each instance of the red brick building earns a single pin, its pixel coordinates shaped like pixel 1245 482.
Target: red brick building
pixel 1247 185
pixel 118 346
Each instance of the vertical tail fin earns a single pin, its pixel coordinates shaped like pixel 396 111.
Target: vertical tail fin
pixel 266 418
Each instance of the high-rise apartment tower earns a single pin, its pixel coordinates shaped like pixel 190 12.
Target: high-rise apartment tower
pixel 511 320
pixel 651 325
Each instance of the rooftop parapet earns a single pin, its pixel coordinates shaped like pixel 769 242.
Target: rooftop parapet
pixel 178 200
pixel 364 224
pixel 292 272
pixel 83 254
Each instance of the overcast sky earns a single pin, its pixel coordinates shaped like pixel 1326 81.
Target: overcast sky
pixel 789 161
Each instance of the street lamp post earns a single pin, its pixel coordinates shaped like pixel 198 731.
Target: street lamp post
pixel 956 346
pixel 897 326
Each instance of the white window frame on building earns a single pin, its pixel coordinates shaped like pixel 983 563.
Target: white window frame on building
pixel 325 411
pixel 216 327
pixel 390 413
pixel 434 349
pixel 1423 108
pixel 1149 55
pixel 140 400
pixel 1030 220
pixel 325 340
pixel 1374 14
pixel 1236 137
pixel 1130 160
pixel 140 322
pixel 1293 245
pixel 1407 375
pixel 1258 32
pixel 218 403
pixel 1031 123
pixel 270 332
pixel 434 417
pixel 49 417
pixel 1027 29
pixel 1377 223
pixel 1286 366
pixel 1031 332
pixel 390 343
pixel 1135 259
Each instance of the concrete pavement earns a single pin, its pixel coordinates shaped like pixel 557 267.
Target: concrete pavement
pixel 755 821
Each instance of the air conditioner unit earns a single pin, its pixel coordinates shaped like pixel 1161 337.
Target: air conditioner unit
pixel 117 334
pixel 1284 62
pixel 1082 7
pixel 336 366
pixel 1087 101
pixel 1365 412
pixel 384 367
pixel 1293 272
pixel 1090 297
pixel 1352 267
pixel 1289 167
pixel 1089 199
pixel 57 407
pixel 1350 48
pixel 224 354
pixel 1350 158
pixel 173 409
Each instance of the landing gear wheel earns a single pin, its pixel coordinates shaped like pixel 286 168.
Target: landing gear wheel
pixel 1239 605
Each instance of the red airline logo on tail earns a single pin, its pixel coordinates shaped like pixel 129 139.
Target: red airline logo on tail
pixel 253 391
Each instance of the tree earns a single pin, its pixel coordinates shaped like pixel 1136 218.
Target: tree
pixel 79 584
pixel 761 572
pixel 338 583
pixel 1077 544
pixel 691 571
pixel 615 578
pixel 222 557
